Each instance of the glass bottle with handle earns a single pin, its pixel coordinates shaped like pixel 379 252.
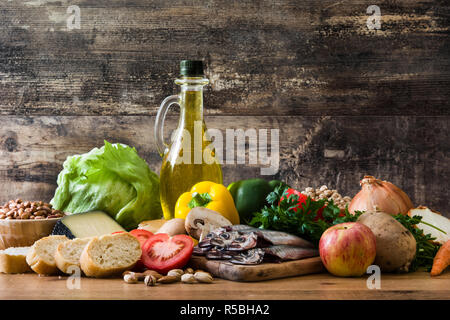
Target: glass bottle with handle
pixel 189 157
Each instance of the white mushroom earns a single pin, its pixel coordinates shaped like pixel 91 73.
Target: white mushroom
pixel 173 227
pixel 200 221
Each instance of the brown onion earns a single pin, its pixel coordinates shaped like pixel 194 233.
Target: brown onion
pixel 377 195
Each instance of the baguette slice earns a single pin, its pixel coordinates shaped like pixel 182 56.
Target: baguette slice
pixel 13 260
pixel 435 219
pixel 68 253
pixel 110 255
pixel 41 257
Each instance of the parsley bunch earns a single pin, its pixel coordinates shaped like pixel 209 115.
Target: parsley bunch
pixel 283 214
pixel 426 249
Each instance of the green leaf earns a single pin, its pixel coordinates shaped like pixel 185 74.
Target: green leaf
pixel 113 179
pixel 199 200
pixel 426 249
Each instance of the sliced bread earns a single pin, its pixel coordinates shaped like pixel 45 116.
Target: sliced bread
pixel 41 257
pixel 110 255
pixel 68 253
pixel 13 260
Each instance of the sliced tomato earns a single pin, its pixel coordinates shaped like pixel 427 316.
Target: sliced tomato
pixel 163 253
pixel 118 232
pixel 142 235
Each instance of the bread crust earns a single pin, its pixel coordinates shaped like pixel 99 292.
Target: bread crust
pixel 91 269
pixel 39 265
pixel 61 262
pixel 13 264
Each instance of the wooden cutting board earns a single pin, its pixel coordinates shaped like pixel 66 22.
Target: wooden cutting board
pixel 265 271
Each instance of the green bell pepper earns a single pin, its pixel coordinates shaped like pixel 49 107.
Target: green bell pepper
pixel 250 195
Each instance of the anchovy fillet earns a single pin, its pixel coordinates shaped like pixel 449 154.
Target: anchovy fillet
pixel 273 254
pixel 252 256
pixel 284 252
pixel 231 236
pixel 242 244
pixel 273 237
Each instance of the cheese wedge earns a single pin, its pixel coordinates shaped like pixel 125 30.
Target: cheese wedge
pixel 85 225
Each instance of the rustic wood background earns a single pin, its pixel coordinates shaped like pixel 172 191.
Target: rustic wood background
pixel 348 100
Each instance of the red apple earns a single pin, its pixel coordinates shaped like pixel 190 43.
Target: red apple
pixel 347 249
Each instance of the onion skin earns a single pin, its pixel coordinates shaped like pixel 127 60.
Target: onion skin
pixel 377 195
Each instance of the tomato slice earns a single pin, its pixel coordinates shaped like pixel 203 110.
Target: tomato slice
pixel 163 253
pixel 142 235
pixel 118 232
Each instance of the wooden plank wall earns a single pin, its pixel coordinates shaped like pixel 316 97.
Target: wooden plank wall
pixel 348 100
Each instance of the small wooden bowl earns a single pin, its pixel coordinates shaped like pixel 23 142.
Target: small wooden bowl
pixel 23 233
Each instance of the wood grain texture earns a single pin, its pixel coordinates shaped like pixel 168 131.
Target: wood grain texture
pixel 283 57
pixel 412 152
pixel 416 285
pixel 250 273
pixel 348 101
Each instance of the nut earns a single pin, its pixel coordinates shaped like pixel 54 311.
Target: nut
pixel 153 273
pixel 323 193
pixel 204 277
pixel 189 271
pixel 188 278
pixel 130 278
pixel 140 276
pixel 150 280
pixel 168 279
pixel 175 273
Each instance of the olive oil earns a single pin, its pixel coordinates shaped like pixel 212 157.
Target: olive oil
pixel 190 158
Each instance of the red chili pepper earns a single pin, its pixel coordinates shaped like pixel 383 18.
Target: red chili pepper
pixel 302 200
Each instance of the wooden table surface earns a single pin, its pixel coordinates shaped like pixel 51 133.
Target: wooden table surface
pixel 418 285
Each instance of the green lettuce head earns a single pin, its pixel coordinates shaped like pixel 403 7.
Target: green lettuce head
pixel 113 179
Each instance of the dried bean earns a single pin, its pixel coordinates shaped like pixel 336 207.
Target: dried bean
pixel 26 215
pixel 40 213
pixel 19 209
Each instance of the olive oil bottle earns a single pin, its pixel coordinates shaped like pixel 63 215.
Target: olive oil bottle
pixel 190 157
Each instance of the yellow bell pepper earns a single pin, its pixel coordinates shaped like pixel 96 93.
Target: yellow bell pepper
pixel 210 195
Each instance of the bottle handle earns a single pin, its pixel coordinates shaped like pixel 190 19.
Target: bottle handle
pixel 159 122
